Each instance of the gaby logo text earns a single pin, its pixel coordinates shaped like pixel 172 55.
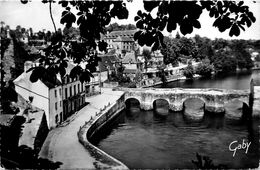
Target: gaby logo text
pixel 234 146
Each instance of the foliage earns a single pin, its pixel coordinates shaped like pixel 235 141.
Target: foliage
pixel 162 74
pixel 8 96
pixel 71 33
pixel 204 162
pixel 147 56
pixel 188 47
pixel 138 76
pixel 189 71
pixel 116 27
pixel 171 52
pixel 5 42
pixel 94 16
pixel 179 49
pixel 204 47
pixel 229 15
pixel 224 62
pixel 118 75
pixel 22 157
pixel 20 56
pixel 242 55
pixel 204 68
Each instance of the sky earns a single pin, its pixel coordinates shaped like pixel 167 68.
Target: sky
pixel 36 15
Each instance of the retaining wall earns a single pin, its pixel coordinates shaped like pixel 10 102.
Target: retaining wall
pixel 106 114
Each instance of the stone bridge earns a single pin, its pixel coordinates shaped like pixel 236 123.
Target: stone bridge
pixel 214 99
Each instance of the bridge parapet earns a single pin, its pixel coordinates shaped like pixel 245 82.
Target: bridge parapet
pixel 214 99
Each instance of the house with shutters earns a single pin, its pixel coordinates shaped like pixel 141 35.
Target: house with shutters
pixel 59 100
pixel 121 41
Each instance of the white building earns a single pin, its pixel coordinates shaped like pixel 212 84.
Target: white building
pixel 59 100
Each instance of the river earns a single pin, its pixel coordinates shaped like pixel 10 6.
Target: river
pixel 146 139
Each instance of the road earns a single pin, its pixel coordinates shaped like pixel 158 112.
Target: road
pixel 62 143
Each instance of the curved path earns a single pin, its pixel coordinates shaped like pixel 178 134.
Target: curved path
pixel 62 143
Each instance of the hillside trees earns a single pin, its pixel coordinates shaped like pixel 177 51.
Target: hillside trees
pixel 171 51
pixel 205 69
pixel 224 62
pixel 189 71
pixel 94 16
pixel 179 49
pixel 116 27
pixel 243 57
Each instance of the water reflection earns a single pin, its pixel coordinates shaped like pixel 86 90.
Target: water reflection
pixel 146 139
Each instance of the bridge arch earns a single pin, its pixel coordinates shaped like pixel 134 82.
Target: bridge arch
pixel 161 106
pixel 194 108
pixel 236 109
pixel 132 102
pixel 161 102
pixel 244 101
pixel 194 97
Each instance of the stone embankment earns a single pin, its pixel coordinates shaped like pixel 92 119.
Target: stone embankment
pixel 92 126
pixel 62 143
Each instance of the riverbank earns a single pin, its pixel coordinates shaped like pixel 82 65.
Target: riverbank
pixel 62 144
pixel 168 81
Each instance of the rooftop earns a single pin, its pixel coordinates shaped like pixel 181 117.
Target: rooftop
pixel 107 60
pixel 126 33
pixel 129 58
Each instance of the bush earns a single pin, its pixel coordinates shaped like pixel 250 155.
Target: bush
pixel 188 72
pixel 204 68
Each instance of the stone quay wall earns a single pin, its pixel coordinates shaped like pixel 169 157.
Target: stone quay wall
pixel 104 160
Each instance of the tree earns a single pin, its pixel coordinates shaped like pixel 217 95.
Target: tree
pixel 71 33
pixel 5 42
pixel 147 56
pixel 229 15
pixel 171 52
pixel 188 72
pixel 162 74
pixel 204 68
pixel 224 62
pixel 116 27
pixel 188 48
pixel 204 47
pixel 242 55
pixel 94 16
pixel 177 35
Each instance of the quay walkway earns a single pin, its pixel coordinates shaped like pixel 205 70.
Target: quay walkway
pixel 62 144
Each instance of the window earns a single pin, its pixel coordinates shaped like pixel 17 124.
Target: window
pixel 56 119
pixel 82 87
pixel 66 93
pixel 60 117
pixel 60 103
pixel 60 91
pixel 70 91
pixel 56 106
pixel 75 90
pixel 55 93
pixel 78 88
pixel 68 79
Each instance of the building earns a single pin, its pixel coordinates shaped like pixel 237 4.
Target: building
pixel 58 99
pixel 121 41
